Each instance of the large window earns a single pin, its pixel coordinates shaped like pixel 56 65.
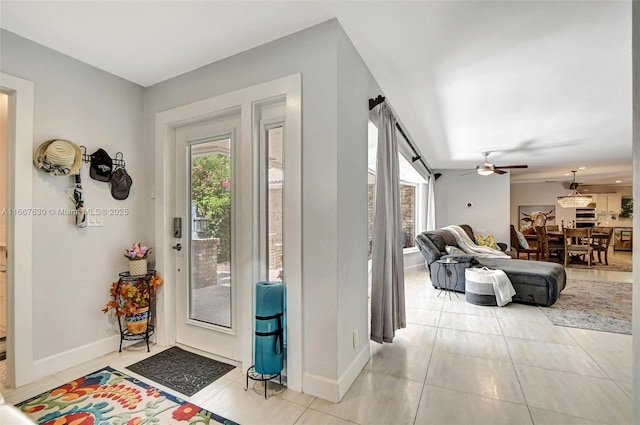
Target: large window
pixel 412 188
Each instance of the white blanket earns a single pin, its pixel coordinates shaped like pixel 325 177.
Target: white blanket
pixel 468 246
pixel 502 287
pixel 485 281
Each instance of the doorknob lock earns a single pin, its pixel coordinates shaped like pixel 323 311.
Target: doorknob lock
pixel 177 247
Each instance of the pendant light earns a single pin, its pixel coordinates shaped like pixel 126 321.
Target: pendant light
pixel 574 199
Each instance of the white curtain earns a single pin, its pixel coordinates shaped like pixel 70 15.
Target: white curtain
pixel 387 266
pixel 431 204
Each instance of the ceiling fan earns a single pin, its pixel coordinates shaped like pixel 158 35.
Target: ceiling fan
pixel 487 168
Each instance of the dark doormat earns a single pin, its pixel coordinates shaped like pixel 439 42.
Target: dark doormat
pixel 181 370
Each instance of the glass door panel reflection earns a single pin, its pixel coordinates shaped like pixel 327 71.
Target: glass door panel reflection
pixel 275 266
pixel 210 254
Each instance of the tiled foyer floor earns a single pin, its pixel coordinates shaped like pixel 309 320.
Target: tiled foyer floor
pixel 454 364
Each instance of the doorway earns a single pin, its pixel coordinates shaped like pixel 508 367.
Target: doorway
pixel 252 106
pixel 19 240
pixel 4 136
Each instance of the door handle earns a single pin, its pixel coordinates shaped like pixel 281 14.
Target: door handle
pixel 177 247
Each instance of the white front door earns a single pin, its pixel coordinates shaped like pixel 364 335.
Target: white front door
pixel 209 200
pixel 256 133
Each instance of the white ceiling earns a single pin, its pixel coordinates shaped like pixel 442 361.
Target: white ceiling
pixel 546 84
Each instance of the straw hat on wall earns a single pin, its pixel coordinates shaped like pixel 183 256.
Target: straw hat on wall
pixel 58 157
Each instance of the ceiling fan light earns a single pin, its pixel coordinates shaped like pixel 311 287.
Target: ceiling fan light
pixel 485 169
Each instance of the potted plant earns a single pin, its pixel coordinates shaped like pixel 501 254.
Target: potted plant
pixel 131 299
pixel 137 256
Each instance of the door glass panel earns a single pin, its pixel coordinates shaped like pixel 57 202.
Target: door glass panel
pixel 211 198
pixel 275 182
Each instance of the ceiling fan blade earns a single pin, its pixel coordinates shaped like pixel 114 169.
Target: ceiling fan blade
pixel 511 166
pixel 499 171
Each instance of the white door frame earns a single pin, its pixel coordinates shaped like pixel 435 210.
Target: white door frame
pixel 166 123
pixel 19 230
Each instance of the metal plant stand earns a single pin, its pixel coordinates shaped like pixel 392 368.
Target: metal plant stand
pixel 255 376
pixel 125 334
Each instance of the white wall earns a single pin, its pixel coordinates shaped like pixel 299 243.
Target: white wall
pixel 4 108
pixel 540 194
pixel 636 219
pixel 73 268
pixel 333 178
pixel 489 196
pixel 413 261
pixel 355 86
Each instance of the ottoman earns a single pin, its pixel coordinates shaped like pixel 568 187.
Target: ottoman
pixel 535 282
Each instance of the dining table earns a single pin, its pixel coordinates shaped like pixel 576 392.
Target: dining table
pixel 596 237
pixel 557 234
pixel 558 237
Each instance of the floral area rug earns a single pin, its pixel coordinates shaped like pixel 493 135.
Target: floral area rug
pixel 590 304
pixel 108 396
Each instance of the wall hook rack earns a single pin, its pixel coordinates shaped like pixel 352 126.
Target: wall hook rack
pixel 118 161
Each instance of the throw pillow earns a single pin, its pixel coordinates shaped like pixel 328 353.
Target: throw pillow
pixel 524 243
pixel 486 240
pixel 453 250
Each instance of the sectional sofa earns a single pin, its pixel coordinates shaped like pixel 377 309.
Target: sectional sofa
pixel 535 282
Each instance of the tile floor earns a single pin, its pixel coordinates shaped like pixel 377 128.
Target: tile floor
pixel 455 363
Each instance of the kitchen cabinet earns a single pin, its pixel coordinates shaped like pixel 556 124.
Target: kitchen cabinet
pixel 608 203
pixel 614 203
pixel 602 204
pixel 623 238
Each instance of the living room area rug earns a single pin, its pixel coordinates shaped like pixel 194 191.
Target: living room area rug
pixel 614 265
pixel 592 304
pixel 108 396
pixel 181 370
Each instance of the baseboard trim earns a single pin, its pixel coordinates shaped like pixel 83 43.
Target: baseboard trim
pixel 331 389
pixel 415 268
pixel 61 361
pixel 320 386
pixel 353 370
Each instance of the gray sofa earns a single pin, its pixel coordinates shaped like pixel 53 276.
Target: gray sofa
pixel 535 282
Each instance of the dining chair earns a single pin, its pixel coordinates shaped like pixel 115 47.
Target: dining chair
pixel 515 244
pixel 601 243
pixel 553 228
pixel 577 242
pixel 547 246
